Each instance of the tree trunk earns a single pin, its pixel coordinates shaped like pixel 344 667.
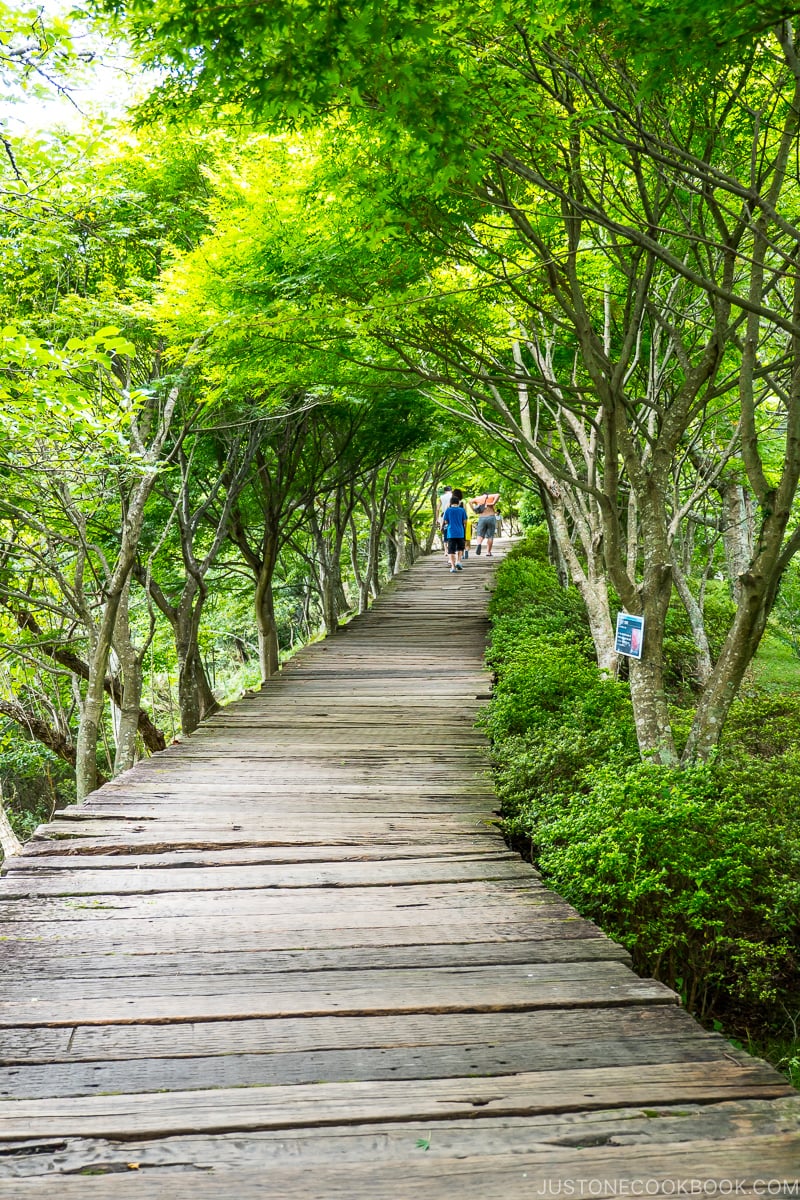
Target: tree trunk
pixel 92 712
pixel 94 701
pixel 343 604
pixel 327 595
pixel 398 541
pixel 189 703
pixel 268 655
pixel 590 581
pixel 648 695
pixel 129 708
pixel 433 529
pixel 554 551
pixel 126 748
pixel 737 532
pixel 757 595
pixel 328 542
pixel 196 700
pixel 594 593
pixel 361 578
pixel 374 503
pixel 9 842
pixel 650 713
pixel 374 558
pixel 695 614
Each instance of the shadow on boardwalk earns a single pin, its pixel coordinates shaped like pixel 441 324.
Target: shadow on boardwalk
pixel 292 957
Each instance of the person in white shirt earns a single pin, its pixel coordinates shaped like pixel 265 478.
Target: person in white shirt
pixel 442 505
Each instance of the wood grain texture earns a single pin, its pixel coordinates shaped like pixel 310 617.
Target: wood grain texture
pixel 282 1107
pixel 557 1028
pixel 555 1143
pixel 291 956
pixel 28 961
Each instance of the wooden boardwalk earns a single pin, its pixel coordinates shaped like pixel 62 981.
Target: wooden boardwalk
pixel 292 957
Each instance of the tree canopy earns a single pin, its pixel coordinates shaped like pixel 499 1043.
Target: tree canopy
pixel 350 249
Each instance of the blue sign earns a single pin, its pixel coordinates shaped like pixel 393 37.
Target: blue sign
pixel 630 635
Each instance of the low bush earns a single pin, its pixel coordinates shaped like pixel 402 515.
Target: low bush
pixel 695 871
pixel 674 865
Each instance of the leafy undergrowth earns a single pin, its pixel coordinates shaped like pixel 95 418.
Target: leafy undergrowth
pixel 695 871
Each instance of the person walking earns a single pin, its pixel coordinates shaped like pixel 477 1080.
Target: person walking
pixel 455 517
pixel 442 504
pixel 484 506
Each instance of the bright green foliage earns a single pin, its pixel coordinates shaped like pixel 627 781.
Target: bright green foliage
pixel 59 389
pixel 787 608
pixel 34 781
pixel 699 34
pixel 521 159
pixel 418 64
pixel 553 713
pixel 697 880
pixel 38 48
pixel 96 216
pixel 296 268
pixel 695 870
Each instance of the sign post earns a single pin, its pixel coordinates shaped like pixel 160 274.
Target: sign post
pixel 630 635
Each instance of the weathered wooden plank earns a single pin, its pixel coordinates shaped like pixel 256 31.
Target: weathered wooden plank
pixel 402 872
pixel 117 838
pixel 341 741
pixel 444 780
pixel 28 961
pixel 194 998
pixel 552 1027
pixel 302 723
pixel 265 931
pixel 451 778
pixel 333 704
pixel 188 935
pixel 417 828
pixel 513 898
pixel 553 1142
pixel 283 807
pixel 486 1058
pixel 281 1107
pixel 159 838
pixel 273 805
pixel 253 778
pixel 501 979
pixel 354 761
pixel 459 849
pixel 708 1168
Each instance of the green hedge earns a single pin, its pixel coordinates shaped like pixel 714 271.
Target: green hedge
pixel 695 871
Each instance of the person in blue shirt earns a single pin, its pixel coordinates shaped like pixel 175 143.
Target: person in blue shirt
pixel 455 518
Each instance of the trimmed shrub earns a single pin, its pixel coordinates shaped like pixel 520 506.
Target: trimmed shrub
pixel 681 868
pixel 696 871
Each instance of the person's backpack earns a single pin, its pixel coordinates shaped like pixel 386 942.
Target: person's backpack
pixel 479 508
